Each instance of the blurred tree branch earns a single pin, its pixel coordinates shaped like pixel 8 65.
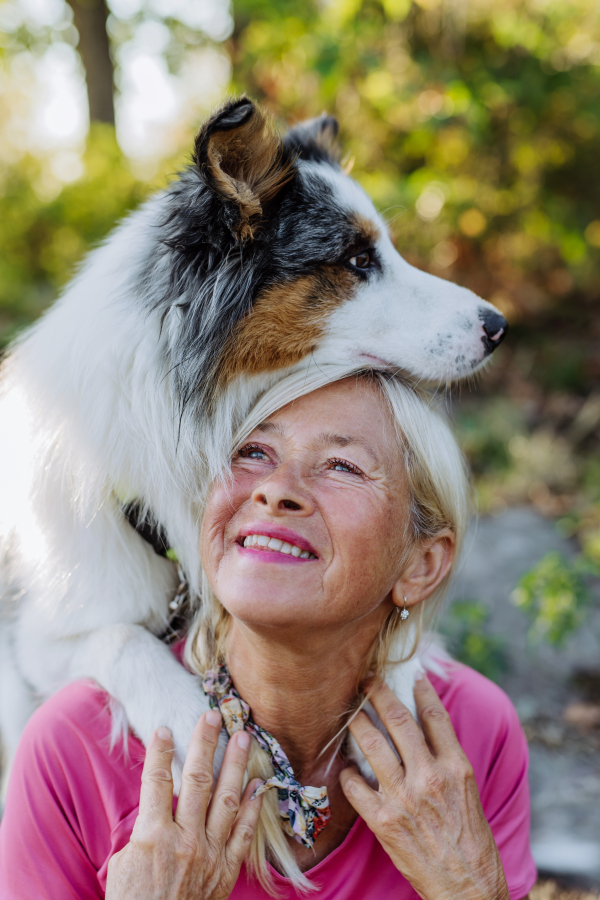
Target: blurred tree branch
pixel 90 17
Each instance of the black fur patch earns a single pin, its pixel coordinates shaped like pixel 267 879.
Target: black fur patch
pixel 315 140
pixel 198 270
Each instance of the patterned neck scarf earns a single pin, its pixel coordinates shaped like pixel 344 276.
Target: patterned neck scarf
pixel 304 810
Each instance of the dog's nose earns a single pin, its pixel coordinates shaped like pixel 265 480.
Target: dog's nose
pixel 495 327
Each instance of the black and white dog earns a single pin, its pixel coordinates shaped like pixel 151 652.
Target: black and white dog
pixel 119 405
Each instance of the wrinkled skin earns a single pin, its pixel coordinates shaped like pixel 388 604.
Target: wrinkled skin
pixel 197 853
pixel 426 813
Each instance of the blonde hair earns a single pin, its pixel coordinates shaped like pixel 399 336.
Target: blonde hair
pixel 439 500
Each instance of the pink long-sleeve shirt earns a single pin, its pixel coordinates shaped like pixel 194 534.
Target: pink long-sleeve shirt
pixel 72 802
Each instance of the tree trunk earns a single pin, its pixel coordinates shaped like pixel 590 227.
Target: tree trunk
pixel 89 18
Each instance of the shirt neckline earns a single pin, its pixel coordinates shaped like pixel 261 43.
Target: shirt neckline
pixel 330 856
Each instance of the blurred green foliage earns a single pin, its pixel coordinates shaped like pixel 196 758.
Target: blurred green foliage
pixel 475 127
pixel 555 597
pixel 42 240
pixel 465 626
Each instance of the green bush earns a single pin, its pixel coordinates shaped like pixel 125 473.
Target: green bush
pixel 465 626
pixel 42 240
pixel 555 597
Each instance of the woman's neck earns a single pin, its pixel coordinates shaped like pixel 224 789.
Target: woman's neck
pixel 300 686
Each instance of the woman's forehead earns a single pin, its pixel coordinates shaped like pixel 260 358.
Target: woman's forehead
pixel 352 412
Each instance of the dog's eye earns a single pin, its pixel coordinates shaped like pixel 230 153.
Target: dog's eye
pixel 362 260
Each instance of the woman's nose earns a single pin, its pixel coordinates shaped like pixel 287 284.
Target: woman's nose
pixel 282 494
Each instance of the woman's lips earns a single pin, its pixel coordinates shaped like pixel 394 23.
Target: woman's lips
pixel 277 533
pixel 262 555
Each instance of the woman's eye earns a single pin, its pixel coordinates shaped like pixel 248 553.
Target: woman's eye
pixel 250 451
pixel 341 465
pixel 362 260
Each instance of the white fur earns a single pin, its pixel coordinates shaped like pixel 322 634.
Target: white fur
pixel 87 419
pixel 437 321
pixel 401 678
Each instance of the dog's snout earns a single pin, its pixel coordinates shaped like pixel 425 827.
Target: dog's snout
pixel 495 327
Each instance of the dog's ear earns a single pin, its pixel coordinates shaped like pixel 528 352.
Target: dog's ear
pixel 241 157
pixel 315 139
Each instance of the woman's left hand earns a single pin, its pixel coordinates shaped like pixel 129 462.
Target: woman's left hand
pixel 427 813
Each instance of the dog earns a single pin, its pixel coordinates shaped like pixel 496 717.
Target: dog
pixel 118 407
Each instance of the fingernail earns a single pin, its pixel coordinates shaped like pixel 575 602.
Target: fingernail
pixel 254 786
pixel 421 678
pixel 164 733
pixel 243 740
pixel 213 717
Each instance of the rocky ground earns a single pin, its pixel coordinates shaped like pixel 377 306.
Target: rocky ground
pixel 557 695
pixel 552 889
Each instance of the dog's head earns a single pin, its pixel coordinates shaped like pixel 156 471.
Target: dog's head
pixel 272 255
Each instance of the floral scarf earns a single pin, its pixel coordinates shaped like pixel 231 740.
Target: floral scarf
pixel 304 810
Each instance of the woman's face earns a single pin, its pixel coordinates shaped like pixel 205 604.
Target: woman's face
pixel 311 530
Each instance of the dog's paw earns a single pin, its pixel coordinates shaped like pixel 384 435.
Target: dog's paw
pixel 179 708
pixel 148 685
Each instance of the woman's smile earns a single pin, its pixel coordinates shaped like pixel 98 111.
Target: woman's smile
pixel 287 554
pixel 271 543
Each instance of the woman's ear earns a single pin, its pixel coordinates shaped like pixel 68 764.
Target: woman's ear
pixel 429 565
pixel 241 157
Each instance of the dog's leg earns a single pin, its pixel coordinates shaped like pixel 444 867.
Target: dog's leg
pixel 139 671
pixel 401 679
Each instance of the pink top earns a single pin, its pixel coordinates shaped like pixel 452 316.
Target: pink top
pixel 72 802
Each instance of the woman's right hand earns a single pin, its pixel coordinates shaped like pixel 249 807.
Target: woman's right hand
pixel 197 853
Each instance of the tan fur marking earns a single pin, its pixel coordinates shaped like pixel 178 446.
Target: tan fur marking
pixel 366 227
pixel 285 324
pixel 246 165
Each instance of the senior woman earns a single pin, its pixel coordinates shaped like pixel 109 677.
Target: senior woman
pixel 322 553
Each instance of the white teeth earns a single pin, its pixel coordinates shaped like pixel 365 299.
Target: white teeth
pixel 262 540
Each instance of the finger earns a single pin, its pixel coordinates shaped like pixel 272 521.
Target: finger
pixel 244 826
pixel 382 759
pixel 434 719
pixel 156 794
pixel 197 776
pixel 364 799
pixel 400 725
pixel 226 800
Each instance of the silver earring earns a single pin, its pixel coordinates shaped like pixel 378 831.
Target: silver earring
pixel 403 613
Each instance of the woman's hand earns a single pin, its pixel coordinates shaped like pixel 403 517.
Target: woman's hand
pixel 196 854
pixel 427 813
